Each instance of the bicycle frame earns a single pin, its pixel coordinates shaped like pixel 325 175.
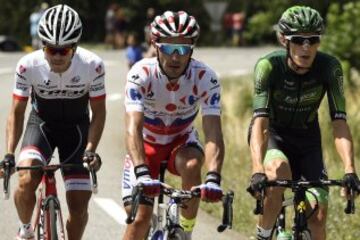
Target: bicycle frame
pixel 47 193
pixel 48 221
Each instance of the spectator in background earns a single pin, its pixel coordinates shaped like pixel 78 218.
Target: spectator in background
pixel 110 19
pixel 150 51
pixel 134 52
pixel 34 22
pixel 238 22
pixel 121 26
pixel 227 24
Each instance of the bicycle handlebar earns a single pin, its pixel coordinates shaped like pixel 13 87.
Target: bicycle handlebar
pixel 55 167
pixel 296 185
pixel 182 195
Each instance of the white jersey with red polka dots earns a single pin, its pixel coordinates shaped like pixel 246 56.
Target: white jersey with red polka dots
pixel 170 109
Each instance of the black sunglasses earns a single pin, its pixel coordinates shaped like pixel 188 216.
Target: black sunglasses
pixel 53 51
pixel 300 40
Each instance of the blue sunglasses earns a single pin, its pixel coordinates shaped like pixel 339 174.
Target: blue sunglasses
pixel 181 49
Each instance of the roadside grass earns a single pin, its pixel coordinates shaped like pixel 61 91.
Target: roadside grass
pixel 236 116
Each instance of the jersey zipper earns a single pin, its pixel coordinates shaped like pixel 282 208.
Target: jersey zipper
pixel 297 104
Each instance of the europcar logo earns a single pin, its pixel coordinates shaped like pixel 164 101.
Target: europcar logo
pixel 215 98
pixel 134 94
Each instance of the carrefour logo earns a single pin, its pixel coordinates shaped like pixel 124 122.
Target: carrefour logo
pixel 215 99
pixel 134 94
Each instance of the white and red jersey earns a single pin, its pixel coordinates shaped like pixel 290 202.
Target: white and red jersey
pixel 60 97
pixel 170 109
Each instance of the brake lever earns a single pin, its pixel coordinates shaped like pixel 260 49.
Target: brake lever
pixel 350 205
pixel 228 212
pixel 135 200
pixel 94 184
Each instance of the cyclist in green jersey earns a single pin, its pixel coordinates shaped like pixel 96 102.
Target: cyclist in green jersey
pixel 284 136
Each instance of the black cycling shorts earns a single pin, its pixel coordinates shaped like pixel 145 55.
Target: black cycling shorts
pixel 41 139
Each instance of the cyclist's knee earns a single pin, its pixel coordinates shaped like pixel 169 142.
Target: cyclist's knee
pixel 318 219
pixel 28 180
pixel 189 167
pixel 278 169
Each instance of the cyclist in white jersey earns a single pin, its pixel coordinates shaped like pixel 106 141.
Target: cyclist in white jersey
pixel 163 97
pixel 62 79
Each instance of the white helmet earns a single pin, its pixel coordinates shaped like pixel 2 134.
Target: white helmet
pixel 175 24
pixel 60 25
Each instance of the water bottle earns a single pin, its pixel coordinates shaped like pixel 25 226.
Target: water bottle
pixel 284 235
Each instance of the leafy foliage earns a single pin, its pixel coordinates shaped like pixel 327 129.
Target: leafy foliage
pixel 342 38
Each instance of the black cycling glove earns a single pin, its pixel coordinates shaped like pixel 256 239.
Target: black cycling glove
pixel 257 182
pixel 90 157
pixel 352 181
pixel 9 160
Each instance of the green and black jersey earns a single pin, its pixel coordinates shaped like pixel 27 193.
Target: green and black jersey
pixel 291 100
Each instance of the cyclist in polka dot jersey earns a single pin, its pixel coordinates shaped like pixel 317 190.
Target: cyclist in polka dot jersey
pixel 163 97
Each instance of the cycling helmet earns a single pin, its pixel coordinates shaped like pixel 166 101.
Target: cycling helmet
pixel 300 19
pixel 175 24
pixel 60 25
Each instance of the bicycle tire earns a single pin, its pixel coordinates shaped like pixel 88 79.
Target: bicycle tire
pixel 152 228
pixel 158 235
pixel 51 221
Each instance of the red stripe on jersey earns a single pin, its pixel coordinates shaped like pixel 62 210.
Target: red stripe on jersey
pixel 20 98
pixel 98 97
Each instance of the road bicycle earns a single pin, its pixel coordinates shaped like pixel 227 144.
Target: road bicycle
pixel 48 222
pixel 300 230
pixel 165 219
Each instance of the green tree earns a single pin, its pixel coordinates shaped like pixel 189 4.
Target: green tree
pixel 342 37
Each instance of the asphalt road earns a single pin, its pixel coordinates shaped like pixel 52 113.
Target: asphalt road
pixel 106 219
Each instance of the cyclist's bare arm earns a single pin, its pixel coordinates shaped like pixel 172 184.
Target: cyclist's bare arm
pixel 98 110
pixel 258 143
pixel 214 143
pixel 15 124
pixel 344 144
pixel 134 139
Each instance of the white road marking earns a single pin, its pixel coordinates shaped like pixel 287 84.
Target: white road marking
pixel 111 63
pixel 114 97
pixel 112 209
pixel 5 71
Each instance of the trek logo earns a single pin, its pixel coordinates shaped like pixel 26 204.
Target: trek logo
pixel 215 99
pixel 134 94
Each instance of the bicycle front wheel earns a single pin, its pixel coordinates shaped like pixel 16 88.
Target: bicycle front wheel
pixel 51 221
